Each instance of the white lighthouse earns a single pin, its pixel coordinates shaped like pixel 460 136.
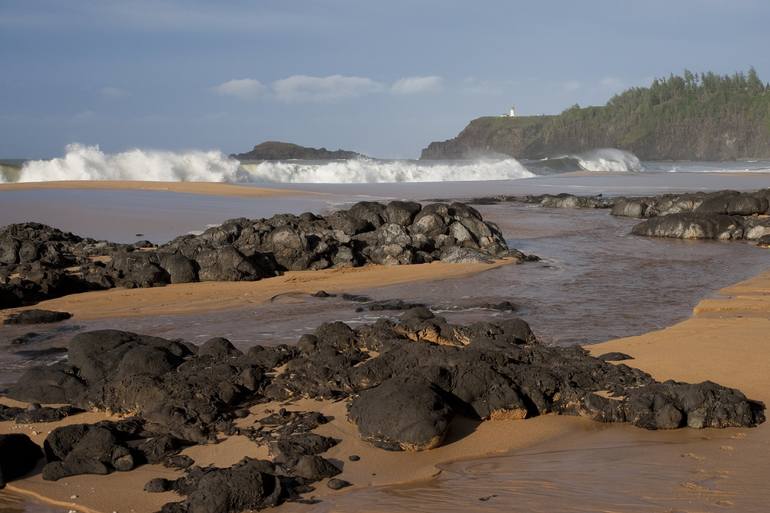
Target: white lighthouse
pixel 512 112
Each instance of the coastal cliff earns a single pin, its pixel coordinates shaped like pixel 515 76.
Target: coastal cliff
pixel 689 117
pixel 275 150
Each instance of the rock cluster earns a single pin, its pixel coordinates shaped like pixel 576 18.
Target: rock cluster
pixel 39 262
pixel 565 200
pixel 722 215
pixel 404 380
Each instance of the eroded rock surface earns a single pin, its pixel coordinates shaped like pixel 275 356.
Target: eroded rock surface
pixel 39 262
pixel 404 381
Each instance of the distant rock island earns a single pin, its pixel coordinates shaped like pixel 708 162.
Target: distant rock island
pixel 275 150
pixel 690 117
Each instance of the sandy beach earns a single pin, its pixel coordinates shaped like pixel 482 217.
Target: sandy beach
pixel 720 343
pixel 206 188
pixel 186 298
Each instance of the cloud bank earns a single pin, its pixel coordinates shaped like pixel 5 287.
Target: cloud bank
pixel 243 88
pixel 306 88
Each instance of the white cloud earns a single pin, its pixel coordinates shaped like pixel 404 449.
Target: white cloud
pixel 113 93
pixel 417 85
pixel 243 88
pixel 303 88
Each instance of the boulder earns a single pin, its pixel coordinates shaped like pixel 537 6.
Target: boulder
pixel 18 456
pixel 404 413
pixel 401 213
pixel 248 485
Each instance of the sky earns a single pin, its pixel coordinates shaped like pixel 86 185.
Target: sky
pixel 384 78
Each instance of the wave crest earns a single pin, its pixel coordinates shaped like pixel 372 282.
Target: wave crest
pixel 609 159
pixel 91 163
pixel 82 162
pixel 376 171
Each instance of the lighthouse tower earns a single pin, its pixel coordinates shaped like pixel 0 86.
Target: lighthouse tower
pixel 512 112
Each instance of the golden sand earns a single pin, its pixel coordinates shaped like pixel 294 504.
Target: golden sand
pixel 205 188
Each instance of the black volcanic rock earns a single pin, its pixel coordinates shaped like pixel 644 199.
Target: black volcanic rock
pixel 403 380
pixel 37 317
pixel 275 150
pixel 39 262
pixel 692 226
pixel 18 456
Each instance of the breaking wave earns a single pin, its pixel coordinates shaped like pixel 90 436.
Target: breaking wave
pixel 608 159
pixel 377 171
pixel 91 163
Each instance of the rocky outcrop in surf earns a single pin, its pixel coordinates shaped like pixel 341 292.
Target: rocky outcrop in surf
pixel 276 150
pixel 404 382
pixel 720 215
pixel 39 262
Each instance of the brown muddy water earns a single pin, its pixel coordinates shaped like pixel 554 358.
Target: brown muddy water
pixel 595 282
pixel 612 469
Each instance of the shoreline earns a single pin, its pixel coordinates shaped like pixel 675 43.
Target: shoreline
pixel 719 342
pixel 199 188
pixel 206 296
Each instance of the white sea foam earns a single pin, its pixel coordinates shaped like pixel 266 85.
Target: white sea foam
pixel 90 163
pixel 608 159
pixel 377 171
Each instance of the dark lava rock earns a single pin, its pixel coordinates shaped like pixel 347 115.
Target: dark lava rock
pixel 390 304
pixel 248 485
pixel 614 357
pixel 503 306
pixel 158 485
pixel 692 226
pixel 37 317
pixel 36 413
pixel 18 456
pixel 354 457
pixel 337 484
pixel 565 200
pixel 40 262
pixel 104 447
pixel 405 380
pixel 706 203
pixel 180 461
pixel 402 413
pixel 672 405
pixel 314 468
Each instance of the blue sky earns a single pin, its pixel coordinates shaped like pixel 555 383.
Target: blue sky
pixel 381 77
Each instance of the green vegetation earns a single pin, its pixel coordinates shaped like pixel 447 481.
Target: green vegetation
pixel 693 116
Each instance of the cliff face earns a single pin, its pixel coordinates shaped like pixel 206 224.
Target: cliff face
pixel 692 117
pixel 274 150
pixel 548 136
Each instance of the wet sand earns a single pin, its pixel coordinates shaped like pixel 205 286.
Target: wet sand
pixel 723 341
pixel 207 188
pixel 187 298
